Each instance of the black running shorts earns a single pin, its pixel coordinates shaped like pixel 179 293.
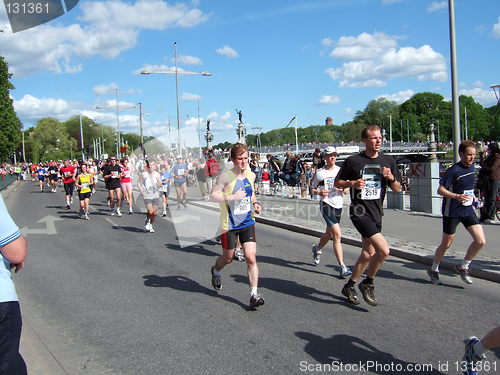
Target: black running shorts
pixel 229 238
pixel 69 187
pixel 366 226
pixel 450 223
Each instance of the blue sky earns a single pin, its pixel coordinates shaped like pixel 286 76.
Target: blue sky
pixel 270 59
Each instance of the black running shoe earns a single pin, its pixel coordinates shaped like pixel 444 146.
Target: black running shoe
pixel 216 280
pixel 350 293
pixel 368 292
pixel 256 300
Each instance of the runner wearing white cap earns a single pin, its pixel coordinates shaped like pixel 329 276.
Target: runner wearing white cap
pixel 330 205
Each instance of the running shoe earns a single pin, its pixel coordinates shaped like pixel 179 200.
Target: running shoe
pixel 217 239
pixel 147 225
pixel 256 300
pixel 118 212
pixel 216 280
pixel 87 217
pixel 464 274
pixel 81 213
pixel 434 276
pixel 316 254
pixel 350 293
pixel 130 211
pixel 112 212
pixel 470 358
pixel 239 255
pixel 151 230
pixel 368 292
pixel 184 204
pixel 344 272
pixel 71 200
pixel 163 215
pixel 68 207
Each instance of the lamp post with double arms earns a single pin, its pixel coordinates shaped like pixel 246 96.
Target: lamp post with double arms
pixel 176 72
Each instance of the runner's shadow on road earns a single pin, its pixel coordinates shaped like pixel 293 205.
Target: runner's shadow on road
pixel 185 284
pixel 294 289
pixel 289 264
pixel 195 249
pixel 129 229
pixel 353 351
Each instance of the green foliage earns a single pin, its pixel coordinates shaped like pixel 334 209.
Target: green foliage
pixel 10 130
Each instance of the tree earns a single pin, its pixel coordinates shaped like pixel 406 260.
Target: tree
pixel 50 141
pixel 478 121
pixel 10 131
pixel 424 109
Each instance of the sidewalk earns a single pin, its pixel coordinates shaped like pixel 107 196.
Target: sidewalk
pixel 411 235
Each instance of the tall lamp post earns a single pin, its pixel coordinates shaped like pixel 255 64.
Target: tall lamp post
pixel 296 137
pixel 176 72
pixel 454 83
pixel 496 88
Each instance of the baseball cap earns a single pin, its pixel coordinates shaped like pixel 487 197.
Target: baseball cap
pixel 330 150
pixel 179 157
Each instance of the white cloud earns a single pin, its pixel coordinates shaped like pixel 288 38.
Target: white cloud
pixel 435 6
pixel 348 110
pixel 327 42
pixel 228 52
pixel 484 97
pixel 106 29
pixel 157 68
pixel 190 97
pixel 496 29
pixel 105 89
pixel 373 59
pixel 329 99
pixel 32 108
pixel 188 60
pixel 399 97
pixel 479 83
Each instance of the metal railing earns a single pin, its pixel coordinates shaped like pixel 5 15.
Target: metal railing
pixel 6 180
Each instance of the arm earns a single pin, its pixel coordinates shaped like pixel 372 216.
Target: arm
pixel 15 252
pixel 217 194
pixel 256 205
pixel 393 183
pixel 448 194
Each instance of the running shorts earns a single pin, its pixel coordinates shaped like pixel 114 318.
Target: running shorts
pixel 154 201
pixel 113 184
pixel 166 193
pixel 41 178
pixel 83 196
pixel 366 226
pixel 450 223
pixel 126 186
pixel 69 187
pixel 330 214
pixel 228 239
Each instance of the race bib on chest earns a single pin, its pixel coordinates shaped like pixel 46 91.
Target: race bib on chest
pixel 329 184
pixel 470 197
pixel 242 206
pixel 180 172
pixel 85 185
pixel 114 174
pixel 127 173
pixel 373 183
pixel 67 174
pixel 52 171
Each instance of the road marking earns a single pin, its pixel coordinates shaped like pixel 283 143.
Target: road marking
pixel 50 228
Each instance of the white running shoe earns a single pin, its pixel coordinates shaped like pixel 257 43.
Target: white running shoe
pixel 113 212
pixel 118 212
pixel 87 217
pixel 151 230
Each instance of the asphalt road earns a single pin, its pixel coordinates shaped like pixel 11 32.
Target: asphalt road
pixel 103 297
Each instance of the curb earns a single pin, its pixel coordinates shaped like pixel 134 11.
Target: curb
pixel 349 240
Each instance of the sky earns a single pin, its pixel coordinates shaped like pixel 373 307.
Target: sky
pixel 270 59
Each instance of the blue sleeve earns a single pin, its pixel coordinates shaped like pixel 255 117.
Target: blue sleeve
pixel 447 180
pixel 9 231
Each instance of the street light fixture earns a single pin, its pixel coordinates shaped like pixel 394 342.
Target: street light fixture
pixel 176 72
pixel 497 94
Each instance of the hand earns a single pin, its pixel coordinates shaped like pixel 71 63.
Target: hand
pixel 240 194
pixel 358 184
pixel 324 193
pixel 462 198
pixel 387 173
pixel 257 207
pixel 17 267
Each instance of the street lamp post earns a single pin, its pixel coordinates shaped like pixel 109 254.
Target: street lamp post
pixel 81 138
pixel 176 72
pixel 454 83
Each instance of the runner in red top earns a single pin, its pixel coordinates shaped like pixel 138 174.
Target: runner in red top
pixel 126 183
pixel 68 173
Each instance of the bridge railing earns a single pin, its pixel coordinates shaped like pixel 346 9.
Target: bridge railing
pixel 6 180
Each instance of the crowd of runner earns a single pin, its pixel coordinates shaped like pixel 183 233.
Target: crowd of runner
pixel 235 182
